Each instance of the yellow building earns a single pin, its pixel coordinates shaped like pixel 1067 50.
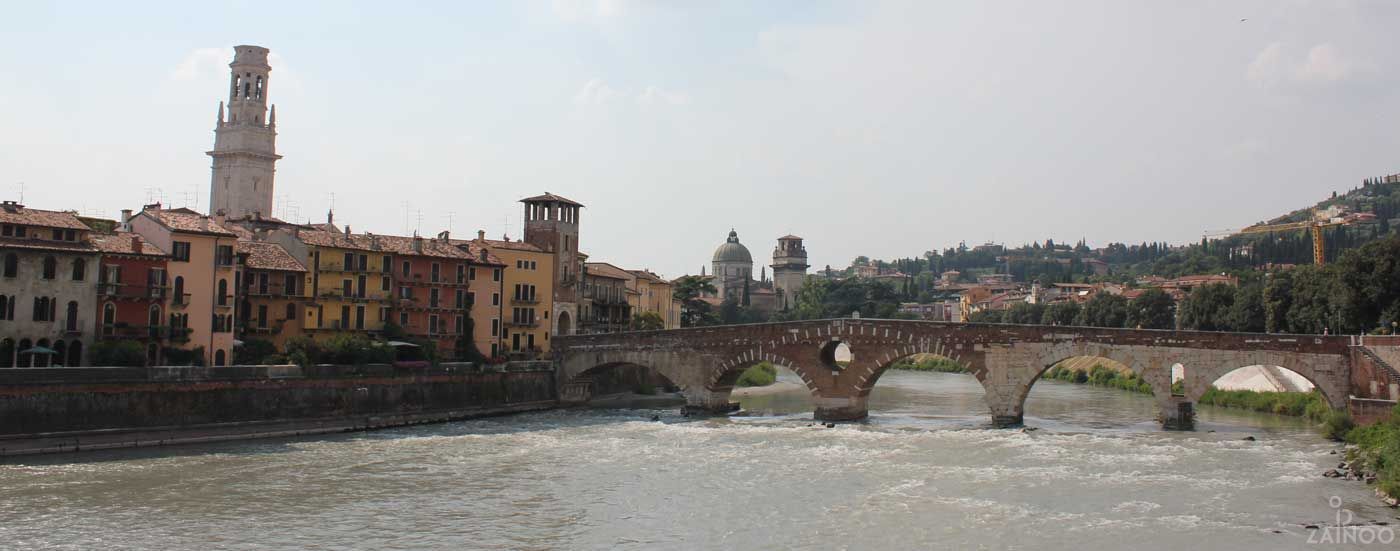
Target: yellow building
pixel 202 279
pixel 655 295
pixel 272 293
pixel 486 297
pixel 349 281
pixel 528 287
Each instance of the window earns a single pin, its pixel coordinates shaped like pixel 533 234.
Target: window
pixel 71 324
pixel 50 267
pixel 386 266
pixel 471 298
pixel 349 261
pixel 179 289
pixel 359 317
pixel 289 285
pixel 79 269
pixel 222 296
pixel 432 324
pixel 461 274
pixel 109 318
pixel 360 287
pixel 433 298
pixel 457 329
pixel 384 314
pixel 471 273
pixel 495 299
pixel 403 319
pixel 219 357
pixel 405 292
pixel 180 251
pixel 461 299
pixel 223 255
pixel 7 230
pixel 534 265
pixel 364 263
pixel 434 272
pixel 345 288
pixel 4 307
pixel 384 283
pixel 496 274
pixel 495 328
pixel 405 268
pixel 291 311
pixel 262 284
pixel 344 317
pixel 11 265
pixel 262 316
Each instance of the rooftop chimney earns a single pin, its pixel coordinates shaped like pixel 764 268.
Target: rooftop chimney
pixel 330 217
pixel 135 243
pixel 417 244
pixel 480 235
pixel 347 231
pixel 444 235
pixel 126 215
pixel 219 217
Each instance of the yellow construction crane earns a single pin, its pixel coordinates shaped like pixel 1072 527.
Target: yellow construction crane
pixel 1314 226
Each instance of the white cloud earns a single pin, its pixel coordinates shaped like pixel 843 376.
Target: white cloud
pixel 203 63
pixel 588 10
pixel 596 92
pixel 656 95
pixel 1323 64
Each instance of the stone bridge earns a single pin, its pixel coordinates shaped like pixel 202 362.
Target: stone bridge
pixel 1006 359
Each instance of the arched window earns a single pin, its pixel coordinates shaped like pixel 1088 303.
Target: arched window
pixel 40 359
pixel 11 265
pixel 179 289
pixel 60 355
pixel 72 323
pixel 223 292
pixel 153 318
pixel 75 354
pixel 7 352
pixel 219 357
pixel 25 360
pixel 109 317
pixel 79 269
pixel 50 267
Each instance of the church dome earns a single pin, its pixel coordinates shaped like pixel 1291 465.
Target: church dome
pixel 732 251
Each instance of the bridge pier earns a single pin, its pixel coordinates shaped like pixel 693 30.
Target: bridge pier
pixel 708 401
pixel 1179 413
pixel 840 408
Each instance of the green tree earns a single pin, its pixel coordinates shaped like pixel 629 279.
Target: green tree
pixel 987 316
pixel 1061 313
pixel 1247 313
pixel 118 354
pixel 1104 310
pixel 253 352
pixel 1153 309
pixel 1024 313
pixel 647 321
pixel 1371 276
pixel 694 311
pixel 1208 308
pixel 1278 298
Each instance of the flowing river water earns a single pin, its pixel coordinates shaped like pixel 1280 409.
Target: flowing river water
pixel 926 471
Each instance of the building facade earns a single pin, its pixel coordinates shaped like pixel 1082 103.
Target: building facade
pixel 47 293
pixel 432 282
pixel 245 144
pixel 731 266
pixel 655 295
pixel 272 293
pixel 202 301
pixel 605 306
pixel 132 289
pixel 349 280
pixel 529 290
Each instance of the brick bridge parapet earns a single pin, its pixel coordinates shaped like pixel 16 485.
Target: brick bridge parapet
pixel 1006 359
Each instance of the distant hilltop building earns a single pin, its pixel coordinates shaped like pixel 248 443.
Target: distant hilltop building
pixel 245 143
pixel 789 269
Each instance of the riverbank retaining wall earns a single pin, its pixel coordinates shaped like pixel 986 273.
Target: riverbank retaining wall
pixel 34 402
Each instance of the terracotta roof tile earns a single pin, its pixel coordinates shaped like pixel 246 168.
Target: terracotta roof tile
pixel 263 255
pixel 603 269
pixel 11 213
pixel 188 221
pixel 338 240
pixel 430 247
pixel 514 245
pixel 122 243
pixel 46 245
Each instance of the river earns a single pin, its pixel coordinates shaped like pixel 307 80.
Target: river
pixel 925 472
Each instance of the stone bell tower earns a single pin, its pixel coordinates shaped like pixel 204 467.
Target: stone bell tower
pixel 789 269
pixel 245 145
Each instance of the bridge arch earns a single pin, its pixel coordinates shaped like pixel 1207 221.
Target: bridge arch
pixel 724 375
pixel 874 370
pixel 1319 370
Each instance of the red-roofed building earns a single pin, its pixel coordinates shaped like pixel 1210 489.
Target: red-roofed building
pixel 47 296
pixel 132 285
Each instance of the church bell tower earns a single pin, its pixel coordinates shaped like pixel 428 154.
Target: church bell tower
pixel 245 144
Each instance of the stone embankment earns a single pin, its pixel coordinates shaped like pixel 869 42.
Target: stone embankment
pixel 71 409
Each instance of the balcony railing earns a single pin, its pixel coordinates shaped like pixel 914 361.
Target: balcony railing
pixel 180 300
pixel 126 331
pixel 118 290
pixel 522 323
pixel 525 300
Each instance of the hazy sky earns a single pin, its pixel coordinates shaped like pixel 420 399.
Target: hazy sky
pixel 883 129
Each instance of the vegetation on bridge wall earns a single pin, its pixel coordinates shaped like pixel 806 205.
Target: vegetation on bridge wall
pixel 1378 451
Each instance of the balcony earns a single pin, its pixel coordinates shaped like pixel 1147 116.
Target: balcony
pixel 352 297
pixel 180 300
pixel 227 302
pixel 136 292
pixel 522 323
pixel 121 330
pixel 524 300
